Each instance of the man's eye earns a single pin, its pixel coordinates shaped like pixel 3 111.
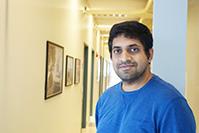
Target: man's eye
pixel 134 50
pixel 117 51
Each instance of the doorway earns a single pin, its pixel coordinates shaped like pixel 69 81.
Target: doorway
pixel 85 79
pixel 92 81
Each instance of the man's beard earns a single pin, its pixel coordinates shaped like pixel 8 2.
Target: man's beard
pixel 134 75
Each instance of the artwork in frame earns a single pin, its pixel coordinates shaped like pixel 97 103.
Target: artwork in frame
pixel 54 69
pixel 77 70
pixel 69 71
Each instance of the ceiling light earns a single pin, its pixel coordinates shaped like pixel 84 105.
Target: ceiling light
pixel 104 26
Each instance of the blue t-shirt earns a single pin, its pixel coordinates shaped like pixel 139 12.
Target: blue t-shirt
pixel 157 107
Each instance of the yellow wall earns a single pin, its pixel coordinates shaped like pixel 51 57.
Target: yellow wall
pixel 30 24
pixel 2 57
pixel 192 85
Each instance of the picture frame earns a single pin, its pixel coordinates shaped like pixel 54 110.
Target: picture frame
pixel 69 71
pixel 77 70
pixel 54 69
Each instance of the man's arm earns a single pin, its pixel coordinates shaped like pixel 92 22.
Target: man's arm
pixel 177 118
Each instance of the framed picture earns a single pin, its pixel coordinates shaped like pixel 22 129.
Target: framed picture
pixel 69 71
pixel 77 70
pixel 54 69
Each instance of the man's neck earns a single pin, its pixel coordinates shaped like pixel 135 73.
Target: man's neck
pixel 139 83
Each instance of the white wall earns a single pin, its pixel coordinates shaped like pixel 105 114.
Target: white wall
pixel 169 28
pixel 192 65
pixel 114 79
pixel 30 24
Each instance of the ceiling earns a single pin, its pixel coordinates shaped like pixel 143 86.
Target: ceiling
pixel 108 12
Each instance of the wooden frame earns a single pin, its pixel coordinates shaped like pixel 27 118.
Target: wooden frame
pixel 54 69
pixel 77 70
pixel 69 71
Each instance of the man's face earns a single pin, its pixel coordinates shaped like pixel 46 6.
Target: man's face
pixel 129 58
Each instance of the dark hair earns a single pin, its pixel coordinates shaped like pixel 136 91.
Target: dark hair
pixel 132 29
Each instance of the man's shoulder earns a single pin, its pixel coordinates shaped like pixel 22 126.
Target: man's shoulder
pixel 113 88
pixel 110 92
pixel 166 87
pixel 165 91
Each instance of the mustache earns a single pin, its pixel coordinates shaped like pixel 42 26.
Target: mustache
pixel 128 62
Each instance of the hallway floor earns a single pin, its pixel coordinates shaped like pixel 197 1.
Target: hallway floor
pixel 90 129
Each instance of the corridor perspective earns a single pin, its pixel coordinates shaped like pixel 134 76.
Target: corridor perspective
pixel 55 63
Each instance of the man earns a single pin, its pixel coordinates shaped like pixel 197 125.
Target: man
pixel 142 102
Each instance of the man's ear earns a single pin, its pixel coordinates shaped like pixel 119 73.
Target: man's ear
pixel 150 57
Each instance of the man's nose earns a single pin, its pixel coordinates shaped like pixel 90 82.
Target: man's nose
pixel 126 56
